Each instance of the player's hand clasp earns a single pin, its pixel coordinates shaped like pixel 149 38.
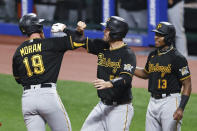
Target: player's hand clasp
pixel 58 27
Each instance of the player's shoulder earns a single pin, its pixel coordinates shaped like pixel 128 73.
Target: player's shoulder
pixel 176 55
pixel 152 53
pixel 17 51
pixel 28 43
pixel 23 44
pixel 127 51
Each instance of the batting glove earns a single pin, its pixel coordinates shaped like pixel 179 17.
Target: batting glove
pixel 58 27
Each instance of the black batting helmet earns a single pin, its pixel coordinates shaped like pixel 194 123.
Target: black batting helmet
pixel 167 30
pixel 30 24
pixel 118 27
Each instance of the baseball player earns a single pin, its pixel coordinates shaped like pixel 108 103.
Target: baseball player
pixel 116 65
pixel 36 65
pixel 167 71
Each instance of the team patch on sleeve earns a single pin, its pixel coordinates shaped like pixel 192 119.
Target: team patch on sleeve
pixel 184 70
pixel 128 67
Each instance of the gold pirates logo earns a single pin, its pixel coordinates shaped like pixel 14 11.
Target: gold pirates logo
pixel 159 26
pixel 108 19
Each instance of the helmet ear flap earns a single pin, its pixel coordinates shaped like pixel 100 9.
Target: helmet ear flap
pixel 115 35
pixel 111 35
pixel 169 40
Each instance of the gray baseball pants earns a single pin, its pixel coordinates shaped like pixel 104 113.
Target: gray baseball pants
pixel 43 105
pixel 109 118
pixel 159 116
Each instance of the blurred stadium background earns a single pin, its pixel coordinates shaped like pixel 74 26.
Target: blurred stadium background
pixel 93 12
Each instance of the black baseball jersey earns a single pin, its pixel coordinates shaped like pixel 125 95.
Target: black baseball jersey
pixel 166 71
pixel 38 61
pixel 112 64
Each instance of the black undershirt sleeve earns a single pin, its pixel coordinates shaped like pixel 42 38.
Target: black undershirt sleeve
pixel 123 81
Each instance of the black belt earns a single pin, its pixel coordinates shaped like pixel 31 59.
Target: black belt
pixel 160 96
pixel 110 102
pixel 44 85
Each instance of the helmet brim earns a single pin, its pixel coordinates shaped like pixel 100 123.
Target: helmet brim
pixel 41 20
pixel 104 24
pixel 157 31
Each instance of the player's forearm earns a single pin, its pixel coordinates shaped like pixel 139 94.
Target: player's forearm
pixel 187 87
pixel 185 93
pixel 124 80
pixel 118 82
pixel 101 84
pixel 140 72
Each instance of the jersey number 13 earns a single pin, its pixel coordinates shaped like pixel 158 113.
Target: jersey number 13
pixel 162 84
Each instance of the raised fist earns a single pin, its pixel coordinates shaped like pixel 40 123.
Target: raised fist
pixel 81 26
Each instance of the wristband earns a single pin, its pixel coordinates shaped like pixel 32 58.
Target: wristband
pixel 184 100
pixel 118 82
